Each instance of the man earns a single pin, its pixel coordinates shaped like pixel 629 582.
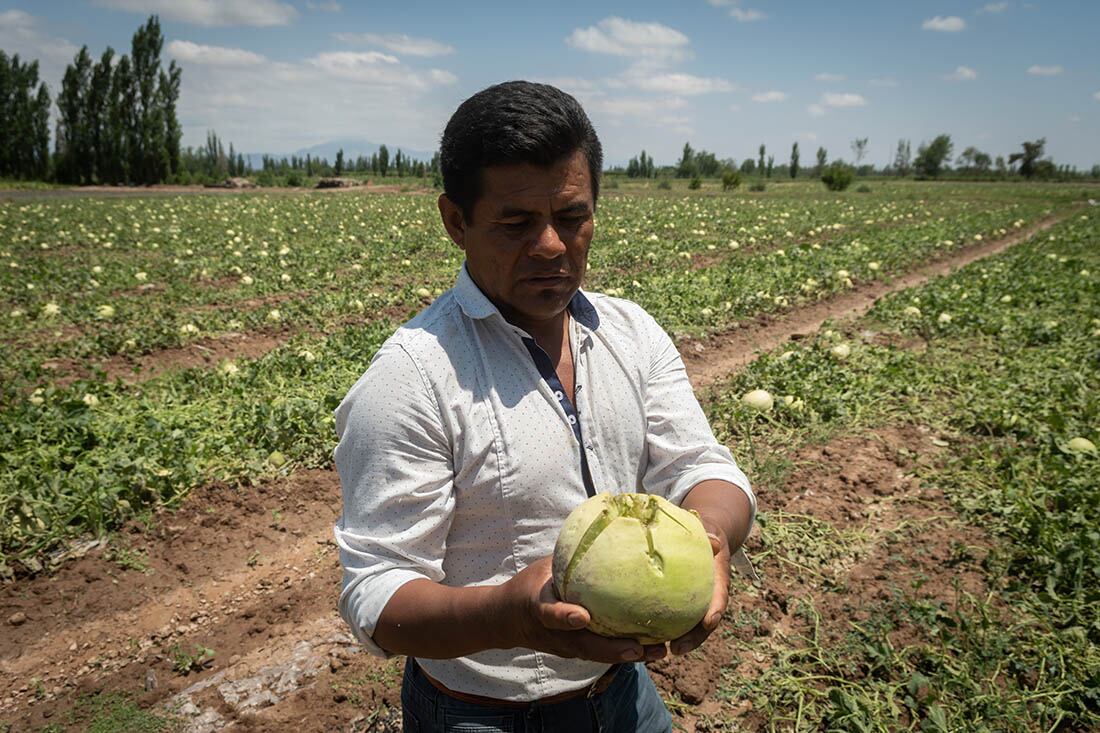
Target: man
pixel 483 421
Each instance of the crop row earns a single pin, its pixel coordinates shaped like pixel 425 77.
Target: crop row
pixel 999 360
pixel 314 260
pixel 88 454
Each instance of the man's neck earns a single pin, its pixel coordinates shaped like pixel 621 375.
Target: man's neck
pixel 547 333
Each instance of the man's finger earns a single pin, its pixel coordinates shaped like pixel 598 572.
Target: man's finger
pixel 720 597
pixel 559 615
pixel 601 648
pixel 563 616
pixel 690 640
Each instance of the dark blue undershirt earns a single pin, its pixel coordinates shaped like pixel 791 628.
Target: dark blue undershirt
pixel 546 369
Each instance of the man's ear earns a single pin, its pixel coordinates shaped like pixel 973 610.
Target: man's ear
pixel 453 220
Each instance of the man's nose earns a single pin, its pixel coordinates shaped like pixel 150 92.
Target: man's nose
pixel 548 243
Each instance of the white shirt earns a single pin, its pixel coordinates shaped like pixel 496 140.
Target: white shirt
pixel 459 464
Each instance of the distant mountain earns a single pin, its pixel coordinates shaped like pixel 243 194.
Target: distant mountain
pixel 352 148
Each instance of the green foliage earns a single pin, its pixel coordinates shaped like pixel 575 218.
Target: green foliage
pixel 1029 158
pixel 793 167
pixel 758 186
pixel 70 465
pixel 932 156
pixel 1009 377
pixel 902 158
pixel 731 179
pixel 863 188
pixel 24 120
pixel 117 122
pixel 641 167
pixel 665 184
pixel 184 662
pixel 838 176
pixel 696 183
pixel 111 712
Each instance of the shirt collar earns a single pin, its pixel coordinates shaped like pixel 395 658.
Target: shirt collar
pixel 475 305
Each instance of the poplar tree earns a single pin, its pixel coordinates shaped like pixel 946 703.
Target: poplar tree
pixel 23 151
pixel 794 160
pixel 383 160
pixel 97 118
pixel 72 129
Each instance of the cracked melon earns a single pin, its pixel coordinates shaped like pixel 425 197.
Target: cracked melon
pixel 642 566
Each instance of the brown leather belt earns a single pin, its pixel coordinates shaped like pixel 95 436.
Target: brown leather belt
pixel 601 684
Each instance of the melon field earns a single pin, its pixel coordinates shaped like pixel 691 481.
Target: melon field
pixel 928 540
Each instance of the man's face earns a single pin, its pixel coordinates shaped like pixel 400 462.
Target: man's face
pixel 527 247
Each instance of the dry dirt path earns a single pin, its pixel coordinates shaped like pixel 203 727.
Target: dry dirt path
pixel 252 574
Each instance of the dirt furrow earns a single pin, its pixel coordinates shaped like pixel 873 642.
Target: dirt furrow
pixel 715 356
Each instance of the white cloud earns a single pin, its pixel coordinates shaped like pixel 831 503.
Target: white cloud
pixel 637 107
pixel 808 136
pixel 962 73
pixel 398 43
pixel 214 55
pixel 735 108
pixel 20 33
pixel 839 100
pixel 947 24
pixel 771 96
pixel 572 84
pixel 620 37
pixel 372 95
pixel 324 7
pixel 883 81
pixel 378 69
pixel 993 8
pixel 746 15
pixel 682 84
pixel 1038 70
pixel 1096 96
pixel 826 76
pixel 846 99
pixel 1075 119
pixel 260 13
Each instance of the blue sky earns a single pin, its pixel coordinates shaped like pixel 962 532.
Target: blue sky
pixel 726 75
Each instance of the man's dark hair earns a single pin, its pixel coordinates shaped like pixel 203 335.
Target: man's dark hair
pixel 513 122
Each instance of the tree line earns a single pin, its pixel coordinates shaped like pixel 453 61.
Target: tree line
pixel 24 120
pixel 932 160
pixel 116 119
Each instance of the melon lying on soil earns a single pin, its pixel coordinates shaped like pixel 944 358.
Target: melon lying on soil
pixel 642 566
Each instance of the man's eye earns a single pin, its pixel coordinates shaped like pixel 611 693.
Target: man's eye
pixel 515 226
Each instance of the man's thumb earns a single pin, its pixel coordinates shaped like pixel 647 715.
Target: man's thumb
pixel 563 616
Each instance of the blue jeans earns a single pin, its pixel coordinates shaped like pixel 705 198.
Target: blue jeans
pixel 630 704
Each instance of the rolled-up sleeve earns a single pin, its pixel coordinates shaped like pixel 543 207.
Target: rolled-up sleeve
pixel 681 448
pixel 396 476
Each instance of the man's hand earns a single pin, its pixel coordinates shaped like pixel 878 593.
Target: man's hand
pixel 542 622
pixel 719 545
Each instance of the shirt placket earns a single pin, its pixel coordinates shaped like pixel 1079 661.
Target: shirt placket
pixel 582 340
pixel 567 409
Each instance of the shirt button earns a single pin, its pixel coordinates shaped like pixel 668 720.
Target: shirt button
pixel 560 395
pixel 572 419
